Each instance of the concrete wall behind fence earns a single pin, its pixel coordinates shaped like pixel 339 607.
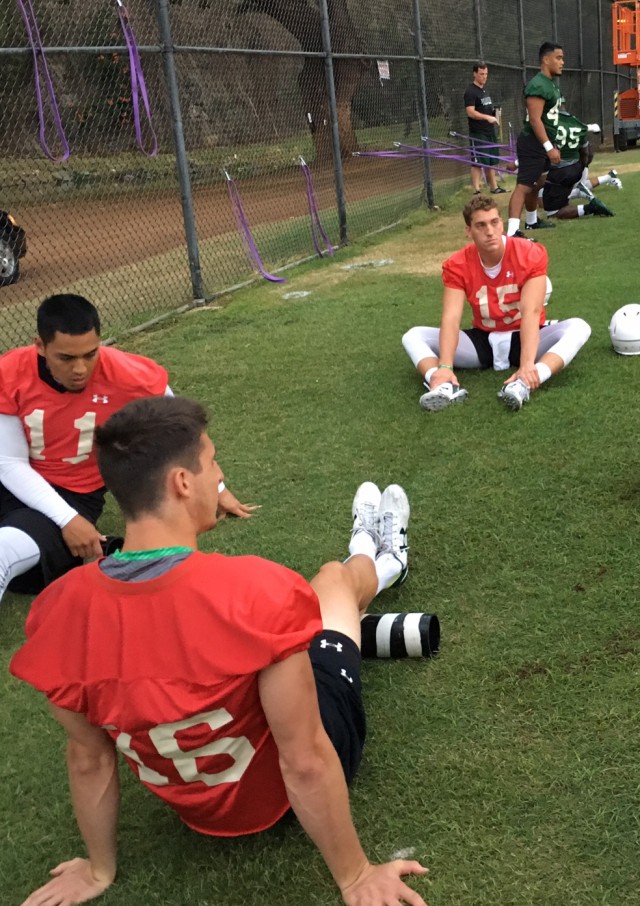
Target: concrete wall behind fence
pixel 241 88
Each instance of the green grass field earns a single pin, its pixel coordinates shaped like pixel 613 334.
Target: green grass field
pixel 510 765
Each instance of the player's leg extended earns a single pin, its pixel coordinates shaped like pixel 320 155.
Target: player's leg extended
pixel 422 345
pixel 378 559
pixel 559 344
pixel 18 554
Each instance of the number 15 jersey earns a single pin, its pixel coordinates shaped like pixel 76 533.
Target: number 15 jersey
pixel 495 301
pixel 59 425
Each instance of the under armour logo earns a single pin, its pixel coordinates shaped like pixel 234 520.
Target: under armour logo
pixel 336 645
pixel 96 398
pixel 509 274
pixel 344 673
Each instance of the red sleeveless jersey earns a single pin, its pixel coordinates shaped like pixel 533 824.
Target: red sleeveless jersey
pixel 60 426
pixel 496 302
pixel 169 667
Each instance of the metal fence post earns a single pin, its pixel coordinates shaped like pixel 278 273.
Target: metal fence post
pixel 554 21
pixel 581 55
pixel 182 164
pixel 523 52
pixel 333 115
pixel 601 63
pixel 478 21
pixel 422 109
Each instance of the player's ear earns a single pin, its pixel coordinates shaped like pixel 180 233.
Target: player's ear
pixel 178 483
pixel 39 345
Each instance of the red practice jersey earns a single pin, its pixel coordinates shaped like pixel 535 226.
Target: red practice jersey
pixel 496 302
pixel 60 425
pixel 169 667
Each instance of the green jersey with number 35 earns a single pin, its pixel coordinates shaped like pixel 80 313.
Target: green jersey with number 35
pixel 543 87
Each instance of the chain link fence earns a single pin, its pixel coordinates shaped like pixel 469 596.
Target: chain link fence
pixel 239 94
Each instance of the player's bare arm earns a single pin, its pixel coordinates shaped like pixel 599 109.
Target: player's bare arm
pixel 95 794
pixel 317 790
pixel 82 538
pixel 535 109
pixel 229 505
pixel 452 308
pixel 531 305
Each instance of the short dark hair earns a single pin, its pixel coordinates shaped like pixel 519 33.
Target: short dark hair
pixel 548 47
pixel 479 65
pixel 66 313
pixel 138 445
pixel 477 203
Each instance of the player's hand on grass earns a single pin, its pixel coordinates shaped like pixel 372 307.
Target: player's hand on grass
pixel 82 538
pixel 229 505
pixel 72 882
pixel 382 885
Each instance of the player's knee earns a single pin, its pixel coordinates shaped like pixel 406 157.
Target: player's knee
pixel 580 330
pixel 410 338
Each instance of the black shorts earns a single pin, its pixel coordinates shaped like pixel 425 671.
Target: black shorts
pixel 336 659
pixel 560 182
pixel 532 160
pixel 55 557
pixel 482 154
pixel 480 340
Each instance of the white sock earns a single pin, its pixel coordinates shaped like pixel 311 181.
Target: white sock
pixel 580 208
pixel 363 543
pixel 530 217
pixel 18 554
pixel 388 568
pixel 429 374
pixel 544 372
pixel 513 225
pixel 603 180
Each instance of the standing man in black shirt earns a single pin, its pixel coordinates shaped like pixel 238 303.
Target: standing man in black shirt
pixel 482 123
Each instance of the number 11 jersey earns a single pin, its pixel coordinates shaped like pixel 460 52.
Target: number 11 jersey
pixel 59 425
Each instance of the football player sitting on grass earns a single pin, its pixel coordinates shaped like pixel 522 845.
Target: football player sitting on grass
pixel 230 685
pixel 504 280
pixel 53 394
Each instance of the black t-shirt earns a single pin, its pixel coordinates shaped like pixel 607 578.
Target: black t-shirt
pixel 481 102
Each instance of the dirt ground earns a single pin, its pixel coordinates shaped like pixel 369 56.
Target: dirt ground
pixel 84 237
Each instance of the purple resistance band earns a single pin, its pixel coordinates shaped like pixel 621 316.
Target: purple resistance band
pixel 39 59
pixel 245 232
pixel 138 84
pixel 317 230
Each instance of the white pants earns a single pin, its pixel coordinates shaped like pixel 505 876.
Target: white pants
pixel 563 338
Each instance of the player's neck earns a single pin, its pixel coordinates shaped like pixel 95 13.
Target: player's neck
pixel 151 533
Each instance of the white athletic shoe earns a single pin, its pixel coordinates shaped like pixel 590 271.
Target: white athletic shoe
pixel 444 395
pixel 616 182
pixel 583 190
pixel 366 504
pixel 393 519
pixel 514 395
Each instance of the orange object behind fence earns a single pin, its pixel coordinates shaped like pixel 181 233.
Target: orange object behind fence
pixel 626 32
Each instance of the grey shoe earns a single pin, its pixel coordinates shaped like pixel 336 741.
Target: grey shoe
pixel 365 508
pixel 393 519
pixel 445 395
pixel 514 395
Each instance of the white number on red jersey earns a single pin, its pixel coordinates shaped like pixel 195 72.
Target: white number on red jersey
pixel 164 739
pixel 85 425
pixel 506 308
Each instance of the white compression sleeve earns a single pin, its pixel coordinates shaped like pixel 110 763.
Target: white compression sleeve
pixel 24 482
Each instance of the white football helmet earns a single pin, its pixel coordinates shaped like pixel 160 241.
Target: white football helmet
pixel 624 330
